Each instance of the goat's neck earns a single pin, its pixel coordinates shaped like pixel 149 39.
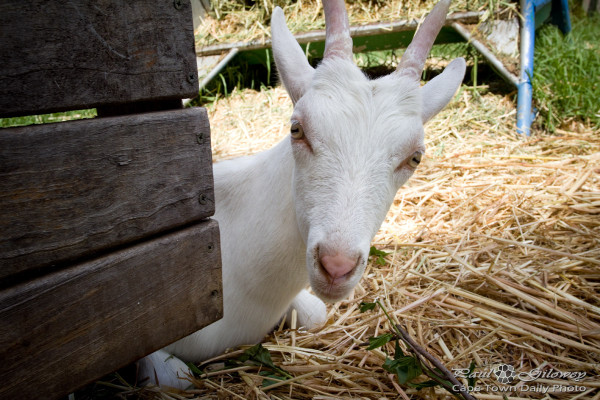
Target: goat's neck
pixel 256 213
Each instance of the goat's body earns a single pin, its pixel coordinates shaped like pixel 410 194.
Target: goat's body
pixel 306 210
pixel 263 253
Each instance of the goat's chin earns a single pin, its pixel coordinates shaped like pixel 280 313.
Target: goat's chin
pixel 331 295
pixel 331 292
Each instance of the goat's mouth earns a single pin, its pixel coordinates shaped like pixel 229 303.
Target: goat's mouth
pixel 331 292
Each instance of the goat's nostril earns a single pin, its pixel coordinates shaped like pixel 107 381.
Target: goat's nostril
pixel 338 266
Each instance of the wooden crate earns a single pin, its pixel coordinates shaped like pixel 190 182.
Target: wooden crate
pixel 106 249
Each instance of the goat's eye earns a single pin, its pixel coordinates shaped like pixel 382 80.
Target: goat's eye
pixel 415 159
pixel 296 131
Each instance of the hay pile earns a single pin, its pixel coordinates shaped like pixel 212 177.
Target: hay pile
pixel 494 259
pixel 233 21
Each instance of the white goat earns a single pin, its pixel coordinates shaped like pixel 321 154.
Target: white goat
pixel 306 210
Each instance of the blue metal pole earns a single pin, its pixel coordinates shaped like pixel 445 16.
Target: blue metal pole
pixel 559 12
pixel 561 16
pixel 525 95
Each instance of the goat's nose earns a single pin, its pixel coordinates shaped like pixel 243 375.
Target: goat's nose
pixel 339 265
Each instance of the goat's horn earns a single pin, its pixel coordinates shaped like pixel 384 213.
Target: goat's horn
pixel 338 42
pixel 413 59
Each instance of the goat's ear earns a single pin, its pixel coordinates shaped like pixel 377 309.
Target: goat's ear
pixel 439 91
pixel 292 65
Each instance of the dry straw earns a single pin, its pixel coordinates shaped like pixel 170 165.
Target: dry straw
pixel 233 21
pixel 494 259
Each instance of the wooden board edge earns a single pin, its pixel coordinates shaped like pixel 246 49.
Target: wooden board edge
pixel 65 330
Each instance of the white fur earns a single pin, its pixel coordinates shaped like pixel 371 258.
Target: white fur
pixel 310 311
pixel 280 209
pixel 168 370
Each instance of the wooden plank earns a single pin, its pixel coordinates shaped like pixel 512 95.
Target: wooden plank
pixel 71 189
pixel 65 330
pixel 60 55
pixel 590 6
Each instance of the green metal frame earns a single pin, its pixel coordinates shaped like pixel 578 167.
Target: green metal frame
pixel 379 42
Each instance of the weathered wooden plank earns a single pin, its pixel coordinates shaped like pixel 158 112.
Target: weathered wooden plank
pixel 62 331
pixel 70 189
pixel 60 55
pixel 590 6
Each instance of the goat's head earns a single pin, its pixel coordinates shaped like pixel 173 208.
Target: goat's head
pixel 355 141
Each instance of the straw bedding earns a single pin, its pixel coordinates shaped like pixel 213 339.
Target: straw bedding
pixel 494 258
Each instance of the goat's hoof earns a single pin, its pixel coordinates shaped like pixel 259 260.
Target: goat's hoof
pixel 165 370
pixel 311 311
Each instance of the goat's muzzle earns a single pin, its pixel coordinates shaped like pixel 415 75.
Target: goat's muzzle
pixel 337 268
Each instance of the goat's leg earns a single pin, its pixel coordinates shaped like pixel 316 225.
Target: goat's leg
pixel 311 311
pixel 164 369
